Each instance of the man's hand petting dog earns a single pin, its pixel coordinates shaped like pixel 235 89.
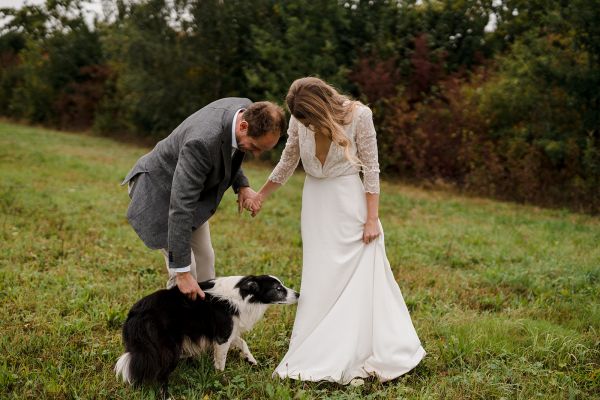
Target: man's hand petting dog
pixel 188 286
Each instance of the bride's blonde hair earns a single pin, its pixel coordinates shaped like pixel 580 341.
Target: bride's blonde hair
pixel 318 104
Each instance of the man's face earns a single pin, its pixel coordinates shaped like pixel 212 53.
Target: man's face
pixel 254 145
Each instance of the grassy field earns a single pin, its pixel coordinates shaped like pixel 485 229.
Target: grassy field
pixel 505 298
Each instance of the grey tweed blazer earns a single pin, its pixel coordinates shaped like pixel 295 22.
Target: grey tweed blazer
pixel 180 183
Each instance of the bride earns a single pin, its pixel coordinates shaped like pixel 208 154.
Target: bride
pixel 351 320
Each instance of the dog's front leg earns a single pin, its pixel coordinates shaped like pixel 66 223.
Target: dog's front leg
pixel 220 354
pixel 241 344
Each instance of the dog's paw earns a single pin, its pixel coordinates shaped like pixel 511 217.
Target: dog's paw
pixel 251 359
pixel 220 366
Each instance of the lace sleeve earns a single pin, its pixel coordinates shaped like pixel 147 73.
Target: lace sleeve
pixel 366 146
pixel 290 156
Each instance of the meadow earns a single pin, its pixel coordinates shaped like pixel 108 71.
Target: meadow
pixel 505 297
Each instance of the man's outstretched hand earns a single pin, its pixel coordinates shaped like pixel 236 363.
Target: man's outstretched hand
pixel 188 285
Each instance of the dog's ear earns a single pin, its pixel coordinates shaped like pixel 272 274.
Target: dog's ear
pixel 250 286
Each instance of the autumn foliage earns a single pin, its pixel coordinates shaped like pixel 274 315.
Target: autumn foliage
pixel 511 112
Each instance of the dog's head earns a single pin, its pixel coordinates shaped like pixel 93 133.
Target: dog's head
pixel 266 289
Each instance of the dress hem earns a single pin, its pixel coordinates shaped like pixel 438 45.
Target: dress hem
pixel 414 361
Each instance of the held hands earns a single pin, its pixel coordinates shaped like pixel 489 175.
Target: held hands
pixel 244 194
pixel 371 231
pixel 254 205
pixel 250 200
pixel 188 286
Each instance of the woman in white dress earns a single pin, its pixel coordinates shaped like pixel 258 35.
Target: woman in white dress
pixel 351 320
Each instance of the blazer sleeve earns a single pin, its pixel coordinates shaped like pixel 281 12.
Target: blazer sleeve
pixel 192 168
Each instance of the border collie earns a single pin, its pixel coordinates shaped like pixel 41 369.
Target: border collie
pixel 165 326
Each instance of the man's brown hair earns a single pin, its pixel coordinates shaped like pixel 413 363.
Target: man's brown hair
pixel 264 117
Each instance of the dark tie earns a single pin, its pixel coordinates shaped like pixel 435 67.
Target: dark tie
pixel 236 161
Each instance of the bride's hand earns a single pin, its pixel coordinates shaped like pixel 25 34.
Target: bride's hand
pixel 371 231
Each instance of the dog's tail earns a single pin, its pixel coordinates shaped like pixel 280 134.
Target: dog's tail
pixel 136 368
pixel 123 368
pixel 150 356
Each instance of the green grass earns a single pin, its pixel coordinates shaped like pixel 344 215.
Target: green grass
pixel 505 298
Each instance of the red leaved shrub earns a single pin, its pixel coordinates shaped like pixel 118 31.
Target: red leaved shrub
pixel 75 106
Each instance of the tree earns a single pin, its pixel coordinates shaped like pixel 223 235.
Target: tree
pixel 55 53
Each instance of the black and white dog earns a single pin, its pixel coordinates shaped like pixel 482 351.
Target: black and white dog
pixel 165 325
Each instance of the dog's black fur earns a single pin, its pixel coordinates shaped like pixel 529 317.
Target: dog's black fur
pixel 158 324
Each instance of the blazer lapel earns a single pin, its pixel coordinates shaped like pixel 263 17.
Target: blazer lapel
pixel 226 153
pixel 226 145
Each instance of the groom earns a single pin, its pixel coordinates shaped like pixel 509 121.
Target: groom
pixel 178 186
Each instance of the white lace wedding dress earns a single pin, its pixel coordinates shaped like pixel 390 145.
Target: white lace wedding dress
pixel 351 319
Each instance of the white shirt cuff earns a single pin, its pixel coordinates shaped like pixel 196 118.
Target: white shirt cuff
pixel 182 269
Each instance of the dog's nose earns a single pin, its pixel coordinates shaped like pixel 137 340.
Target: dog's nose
pixel 297 294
